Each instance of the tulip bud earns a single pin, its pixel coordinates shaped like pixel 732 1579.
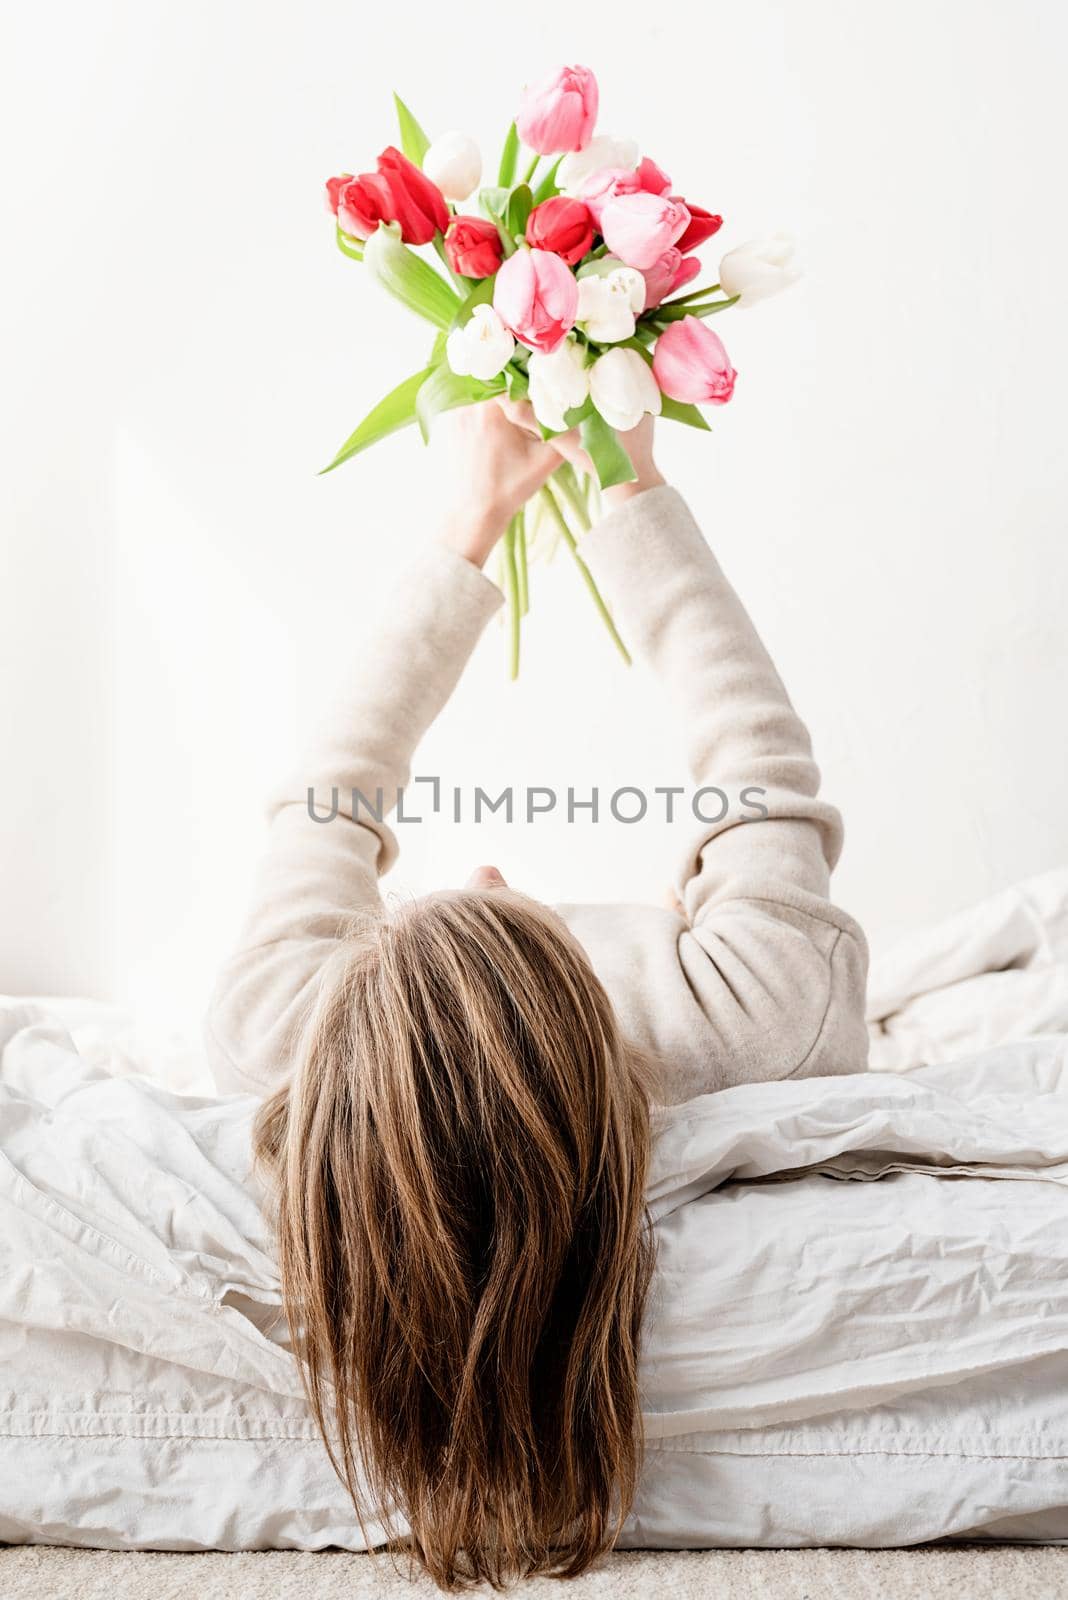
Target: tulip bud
pixel 561 225
pixel 602 151
pixel 759 268
pixel 454 163
pixel 559 113
pixel 691 364
pixel 536 296
pixel 623 389
pixel 703 224
pixel 482 348
pixel 610 298
pixel 640 227
pixel 670 272
pixel 608 184
pixel 558 382
pixel 653 178
pixel 473 247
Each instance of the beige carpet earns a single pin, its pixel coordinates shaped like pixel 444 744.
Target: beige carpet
pixel 1002 1572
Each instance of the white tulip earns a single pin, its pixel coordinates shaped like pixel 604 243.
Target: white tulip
pixel 759 268
pixel 623 389
pixel 558 381
pixel 602 151
pixel 482 348
pixel 454 163
pixel 611 296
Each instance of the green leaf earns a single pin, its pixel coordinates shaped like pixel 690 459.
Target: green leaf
pixel 578 414
pixel 458 283
pixel 675 311
pixel 506 170
pixel 645 333
pixel 494 204
pixel 520 205
pixel 493 201
pixel 414 141
pixel 445 390
pixel 716 305
pixel 480 295
pixel 547 186
pixel 676 411
pixel 353 248
pixel 605 449
pixel 407 276
pixel 517 381
pixel 638 345
pixel 396 411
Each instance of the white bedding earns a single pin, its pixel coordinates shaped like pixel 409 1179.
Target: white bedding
pixel 991 974
pixel 827 1360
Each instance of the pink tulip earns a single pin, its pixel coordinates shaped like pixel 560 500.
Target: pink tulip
pixel 668 272
pixel 653 178
pixel 535 294
pixel 559 113
pixel 611 182
pixel 640 227
pixel 690 364
pixel 608 184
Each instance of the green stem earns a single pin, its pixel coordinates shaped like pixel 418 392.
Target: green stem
pixel 531 170
pixel 521 563
pixel 694 294
pixel 348 246
pixel 565 476
pixel 552 506
pixel 511 575
pixel 461 283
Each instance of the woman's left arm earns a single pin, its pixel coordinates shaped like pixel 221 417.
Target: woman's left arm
pixel 316 876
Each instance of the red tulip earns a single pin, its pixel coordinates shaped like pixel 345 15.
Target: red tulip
pixel 397 192
pixel 562 225
pixel 703 224
pixel 473 247
pixel 334 187
pixel 419 205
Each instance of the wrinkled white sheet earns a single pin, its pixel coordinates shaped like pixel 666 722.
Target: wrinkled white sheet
pixel 993 973
pixel 826 1360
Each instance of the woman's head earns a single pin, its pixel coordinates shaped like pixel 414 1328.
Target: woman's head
pixel 460 1167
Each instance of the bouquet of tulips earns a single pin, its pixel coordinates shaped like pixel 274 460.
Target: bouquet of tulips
pixel 565 283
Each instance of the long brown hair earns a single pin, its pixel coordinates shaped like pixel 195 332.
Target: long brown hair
pixel 464 1251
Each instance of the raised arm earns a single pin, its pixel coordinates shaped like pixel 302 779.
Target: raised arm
pixel 316 876
pixel 777 971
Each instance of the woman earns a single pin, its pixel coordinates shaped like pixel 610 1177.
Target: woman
pixel 458 1115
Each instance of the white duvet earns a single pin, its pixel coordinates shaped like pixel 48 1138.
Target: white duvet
pixel 858 1332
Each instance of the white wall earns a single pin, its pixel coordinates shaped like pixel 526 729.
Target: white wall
pixel 184 347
